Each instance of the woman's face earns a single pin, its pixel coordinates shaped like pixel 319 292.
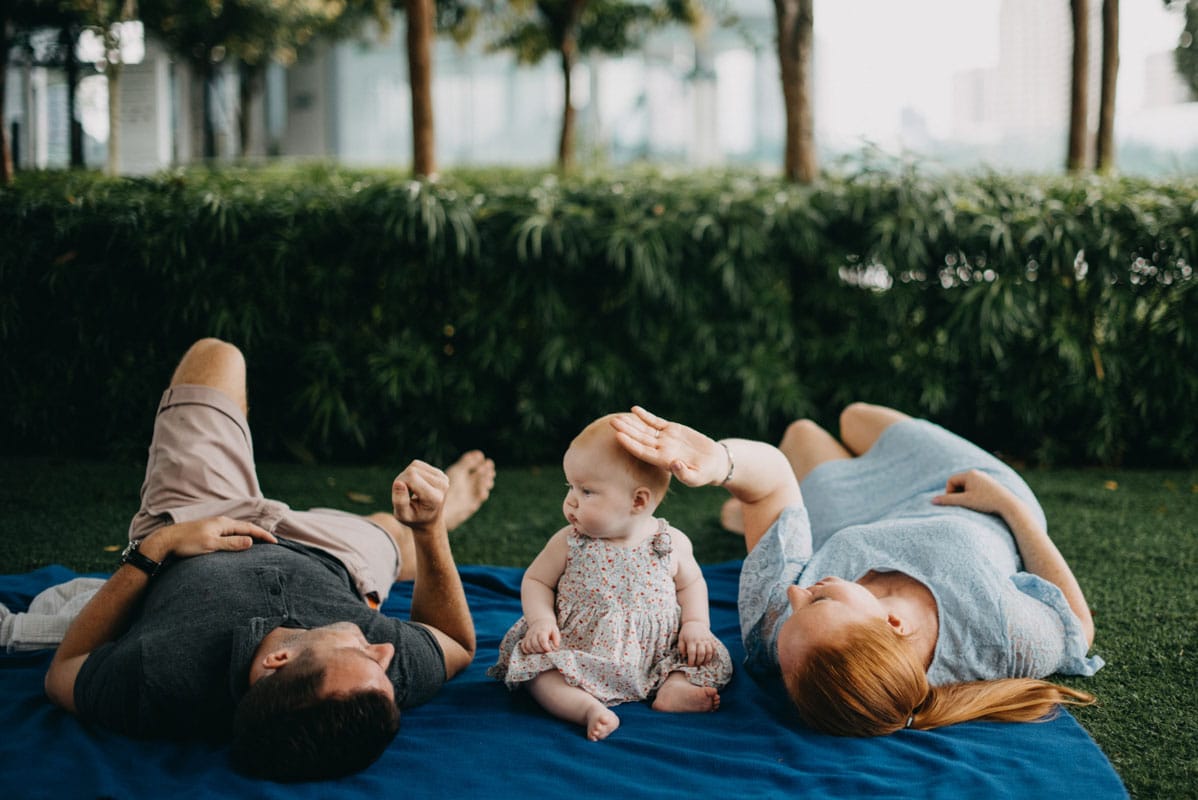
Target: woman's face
pixel 820 613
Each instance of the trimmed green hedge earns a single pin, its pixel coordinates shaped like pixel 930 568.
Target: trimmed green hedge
pixel 1051 318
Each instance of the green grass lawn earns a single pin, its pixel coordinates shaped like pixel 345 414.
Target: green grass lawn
pixel 1132 537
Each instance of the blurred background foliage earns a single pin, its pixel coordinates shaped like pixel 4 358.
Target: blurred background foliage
pixel 1050 318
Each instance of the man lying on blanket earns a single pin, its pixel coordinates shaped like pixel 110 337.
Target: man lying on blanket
pixel 231 615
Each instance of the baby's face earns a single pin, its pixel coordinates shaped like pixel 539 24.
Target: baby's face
pixel 599 494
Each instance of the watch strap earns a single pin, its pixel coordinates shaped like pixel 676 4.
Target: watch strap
pixel 134 556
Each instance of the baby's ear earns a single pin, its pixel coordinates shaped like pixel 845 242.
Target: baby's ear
pixel 642 500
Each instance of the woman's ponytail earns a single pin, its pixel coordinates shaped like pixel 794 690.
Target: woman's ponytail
pixel 872 684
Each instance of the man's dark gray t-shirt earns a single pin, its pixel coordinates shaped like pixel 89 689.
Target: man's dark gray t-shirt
pixel 184 662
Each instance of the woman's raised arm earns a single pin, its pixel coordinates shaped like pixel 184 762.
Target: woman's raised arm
pixel 756 473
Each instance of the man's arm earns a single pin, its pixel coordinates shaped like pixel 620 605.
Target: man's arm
pixel 438 599
pixel 106 615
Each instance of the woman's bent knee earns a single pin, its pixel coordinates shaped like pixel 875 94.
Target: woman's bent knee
pixel 800 432
pixel 862 423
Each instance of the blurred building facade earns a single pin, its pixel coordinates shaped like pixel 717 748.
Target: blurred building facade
pixel 702 101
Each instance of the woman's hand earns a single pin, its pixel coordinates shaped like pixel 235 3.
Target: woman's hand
pixel 694 459
pixel 696 642
pixel 978 491
pixel 542 636
pixel 201 536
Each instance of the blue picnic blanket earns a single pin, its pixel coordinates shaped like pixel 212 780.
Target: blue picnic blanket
pixel 475 739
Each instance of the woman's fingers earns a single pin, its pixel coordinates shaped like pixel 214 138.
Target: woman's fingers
pixel 652 420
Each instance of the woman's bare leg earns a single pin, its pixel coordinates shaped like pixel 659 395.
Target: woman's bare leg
pixel 806 445
pixel 862 423
pixel 573 705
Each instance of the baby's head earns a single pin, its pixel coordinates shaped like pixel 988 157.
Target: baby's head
pixel 607 485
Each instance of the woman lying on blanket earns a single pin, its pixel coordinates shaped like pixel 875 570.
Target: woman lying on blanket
pixel 879 592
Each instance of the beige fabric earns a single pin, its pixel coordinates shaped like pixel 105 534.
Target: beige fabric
pixel 201 464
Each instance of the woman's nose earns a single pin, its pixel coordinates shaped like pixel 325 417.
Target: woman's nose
pixel 798 596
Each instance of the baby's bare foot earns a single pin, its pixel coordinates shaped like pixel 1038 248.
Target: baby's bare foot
pixel 470 480
pixel 601 721
pixel 680 695
pixel 732 516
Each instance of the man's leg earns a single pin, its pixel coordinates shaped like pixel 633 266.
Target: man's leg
pixel 211 362
pixel 471 478
pixel 201 451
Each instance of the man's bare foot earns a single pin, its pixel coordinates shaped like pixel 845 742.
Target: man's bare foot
pixel 680 695
pixel 601 721
pixel 732 516
pixel 471 478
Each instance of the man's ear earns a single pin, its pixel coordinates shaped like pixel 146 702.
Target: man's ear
pixel 270 663
pixel 642 500
pixel 277 659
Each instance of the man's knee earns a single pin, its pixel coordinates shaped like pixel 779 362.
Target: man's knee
pixel 211 350
pixel 216 363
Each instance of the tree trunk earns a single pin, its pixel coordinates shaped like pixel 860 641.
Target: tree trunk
pixel 565 145
pixel 795 22
pixel 5 148
pixel 209 132
pixel 1076 159
pixel 67 37
pixel 420 78
pixel 564 24
pixel 249 83
pixel 113 72
pixel 1105 161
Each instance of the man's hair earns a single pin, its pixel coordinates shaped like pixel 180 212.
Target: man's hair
pixel 285 731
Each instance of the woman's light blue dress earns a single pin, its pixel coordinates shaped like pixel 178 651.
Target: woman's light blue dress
pixel 875 512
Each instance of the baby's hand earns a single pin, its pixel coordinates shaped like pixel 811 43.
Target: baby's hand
pixel 543 636
pixel 697 643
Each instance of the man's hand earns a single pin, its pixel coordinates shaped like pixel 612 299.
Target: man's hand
pixel 195 538
pixel 418 495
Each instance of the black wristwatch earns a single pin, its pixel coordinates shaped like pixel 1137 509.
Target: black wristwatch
pixel 134 556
